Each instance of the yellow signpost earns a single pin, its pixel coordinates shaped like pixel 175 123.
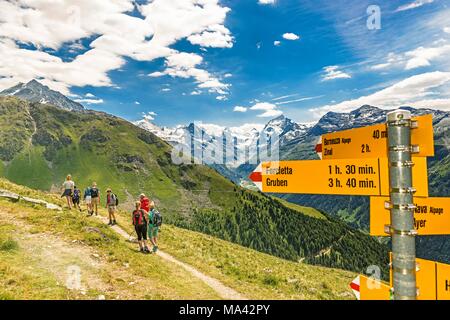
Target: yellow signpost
pixel 426 279
pixel 366 177
pixel 370 141
pixel 431 216
pixel 356 162
pixel 443 281
pixel 366 288
pixel 371 289
pixel 432 280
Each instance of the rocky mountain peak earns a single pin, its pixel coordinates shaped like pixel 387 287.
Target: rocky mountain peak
pixel 36 92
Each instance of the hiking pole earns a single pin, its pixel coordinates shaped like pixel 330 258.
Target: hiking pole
pixel 401 204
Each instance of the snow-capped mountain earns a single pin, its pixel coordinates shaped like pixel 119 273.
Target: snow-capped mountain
pixel 286 129
pixel 173 136
pixel 239 140
pixel 364 116
pixel 34 91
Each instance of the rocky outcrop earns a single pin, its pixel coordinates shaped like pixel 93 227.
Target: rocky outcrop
pixel 16 197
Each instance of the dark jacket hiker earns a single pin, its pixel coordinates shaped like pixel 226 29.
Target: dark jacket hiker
pixel 140 226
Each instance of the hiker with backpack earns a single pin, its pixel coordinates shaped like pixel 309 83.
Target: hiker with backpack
pixel 88 200
pixel 111 203
pixel 146 204
pixel 76 198
pixel 140 226
pixel 68 187
pixel 95 198
pixel 154 224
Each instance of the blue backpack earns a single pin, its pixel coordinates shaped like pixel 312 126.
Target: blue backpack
pixel 76 194
pixel 157 218
pixel 87 192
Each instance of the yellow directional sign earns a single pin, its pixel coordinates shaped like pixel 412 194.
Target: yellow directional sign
pixel 443 281
pixel 431 216
pixel 432 280
pixel 371 289
pixel 366 288
pixel 366 177
pixel 371 141
pixel 425 279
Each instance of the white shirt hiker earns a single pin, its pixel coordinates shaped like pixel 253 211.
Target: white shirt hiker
pixel 68 184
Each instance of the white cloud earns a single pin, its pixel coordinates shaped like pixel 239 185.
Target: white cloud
pixel 297 100
pixel 184 65
pixel 413 5
pixel 165 89
pixel 240 109
pixel 271 114
pixel 137 103
pixel 149 116
pixel 89 101
pixel 380 66
pixel 216 36
pixel 183 60
pixel 291 36
pixel 414 91
pixel 263 2
pixel 421 56
pixel 156 74
pixel 446 29
pixel 333 72
pixel 263 106
pixel 215 85
pixel 286 96
pixel 221 98
pixel 89 98
pixel 391 60
pixel 118 35
pixel 227 75
pixel 73 96
pixel 269 109
pixel 195 93
pixel 276 43
pixel 439 103
pixel 76 46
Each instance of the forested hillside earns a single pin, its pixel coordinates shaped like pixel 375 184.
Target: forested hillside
pixel 263 223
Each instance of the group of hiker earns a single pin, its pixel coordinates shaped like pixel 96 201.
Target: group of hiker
pixel 146 218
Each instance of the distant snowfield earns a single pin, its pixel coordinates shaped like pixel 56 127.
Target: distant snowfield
pixel 245 137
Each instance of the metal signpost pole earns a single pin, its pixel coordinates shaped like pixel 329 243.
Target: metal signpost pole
pixel 401 204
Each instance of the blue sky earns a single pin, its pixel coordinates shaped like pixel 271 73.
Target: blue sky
pixel 227 62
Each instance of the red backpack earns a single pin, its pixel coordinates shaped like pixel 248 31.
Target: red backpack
pixel 139 217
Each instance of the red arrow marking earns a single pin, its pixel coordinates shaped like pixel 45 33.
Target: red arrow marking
pixel 318 148
pixel 255 176
pixel 354 286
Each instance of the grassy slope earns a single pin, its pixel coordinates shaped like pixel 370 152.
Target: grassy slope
pixel 305 210
pixel 49 143
pixel 38 247
pixel 254 274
